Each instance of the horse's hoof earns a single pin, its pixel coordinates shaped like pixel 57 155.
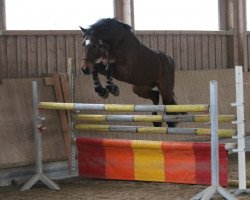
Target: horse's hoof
pixel 172 124
pixel 116 91
pixel 102 92
pixel 104 95
pixel 157 124
pixel 113 89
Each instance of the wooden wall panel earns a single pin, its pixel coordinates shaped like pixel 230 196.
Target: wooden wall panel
pixel 51 53
pixel 11 50
pixel 3 58
pixel 177 51
pixel 146 40
pixel 61 53
pixel 78 53
pixel 161 43
pixel 22 56
pixel 191 52
pixel 198 52
pixel 31 54
pixel 169 45
pixel 184 53
pixel 211 52
pixel 154 42
pixel 218 51
pixel 224 52
pixel 70 46
pixel 205 52
pixel 248 50
pixel 42 55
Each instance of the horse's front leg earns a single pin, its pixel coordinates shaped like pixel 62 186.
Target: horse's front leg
pixel 111 87
pixel 102 92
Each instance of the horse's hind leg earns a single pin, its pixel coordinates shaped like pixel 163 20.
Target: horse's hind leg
pixel 146 92
pixel 167 94
pixel 172 102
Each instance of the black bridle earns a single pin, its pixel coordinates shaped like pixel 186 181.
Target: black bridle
pixel 103 51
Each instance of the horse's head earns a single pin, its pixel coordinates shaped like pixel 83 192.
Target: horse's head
pixel 93 49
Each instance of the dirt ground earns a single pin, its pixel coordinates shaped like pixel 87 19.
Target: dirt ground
pixel 79 188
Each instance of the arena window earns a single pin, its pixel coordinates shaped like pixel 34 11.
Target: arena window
pixel 176 15
pixel 55 14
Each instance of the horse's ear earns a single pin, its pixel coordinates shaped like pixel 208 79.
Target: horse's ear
pixel 83 29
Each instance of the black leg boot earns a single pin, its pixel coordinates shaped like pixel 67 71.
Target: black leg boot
pixel 102 92
pixel 111 87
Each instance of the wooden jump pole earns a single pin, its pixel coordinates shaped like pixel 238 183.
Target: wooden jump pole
pixel 150 118
pixel 123 107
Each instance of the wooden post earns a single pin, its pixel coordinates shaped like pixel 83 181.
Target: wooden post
pixel 225 14
pixel 232 16
pixel 124 11
pixel 232 44
pixel 118 9
pixel 2 15
pixel 242 34
pixel 2 27
pixel 222 14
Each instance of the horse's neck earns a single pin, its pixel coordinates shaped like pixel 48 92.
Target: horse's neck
pixel 124 40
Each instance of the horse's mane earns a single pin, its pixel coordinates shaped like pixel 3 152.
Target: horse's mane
pixel 107 24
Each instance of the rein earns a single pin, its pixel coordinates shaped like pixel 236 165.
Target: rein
pixel 103 52
pixel 90 60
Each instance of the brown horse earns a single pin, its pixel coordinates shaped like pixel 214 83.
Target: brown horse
pixel 112 49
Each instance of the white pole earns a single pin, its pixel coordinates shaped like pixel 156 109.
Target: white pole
pixel 214 133
pixel 240 131
pixel 240 126
pixel 210 192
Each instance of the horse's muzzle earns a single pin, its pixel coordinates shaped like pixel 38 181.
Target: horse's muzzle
pixel 87 67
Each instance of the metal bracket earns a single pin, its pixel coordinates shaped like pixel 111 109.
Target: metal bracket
pixel 238 104
pixel 242 137
pixel 238 122
pixel 238 150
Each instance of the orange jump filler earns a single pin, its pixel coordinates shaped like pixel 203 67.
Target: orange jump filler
pixel 176 162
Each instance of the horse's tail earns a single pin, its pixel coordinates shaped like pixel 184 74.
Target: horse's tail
pixel 168 73
pixel 167 60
